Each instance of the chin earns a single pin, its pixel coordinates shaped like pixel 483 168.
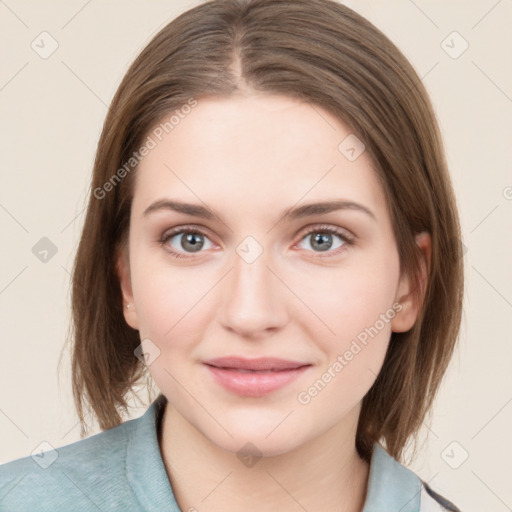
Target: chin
pixel 259 438
pixel 244 446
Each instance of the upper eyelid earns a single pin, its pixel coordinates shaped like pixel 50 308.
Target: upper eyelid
pixel 201 229
pixel 306 231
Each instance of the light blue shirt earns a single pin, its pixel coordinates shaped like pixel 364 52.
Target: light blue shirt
pixel 122 469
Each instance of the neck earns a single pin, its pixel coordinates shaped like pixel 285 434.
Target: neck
pixel 323 474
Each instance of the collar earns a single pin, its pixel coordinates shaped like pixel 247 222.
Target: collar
pixel 391 486
pixel 145 468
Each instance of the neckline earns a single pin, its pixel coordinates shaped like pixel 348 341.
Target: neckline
pixel 160 408
pixel 389 482
pixel 145 468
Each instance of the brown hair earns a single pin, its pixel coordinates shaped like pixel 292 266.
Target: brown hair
pixel 321 52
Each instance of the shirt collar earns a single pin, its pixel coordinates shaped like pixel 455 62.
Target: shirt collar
pixel 145 468
pixel 390 484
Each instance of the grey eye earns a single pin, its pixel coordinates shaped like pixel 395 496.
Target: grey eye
pixel 322 241
pixel 188 241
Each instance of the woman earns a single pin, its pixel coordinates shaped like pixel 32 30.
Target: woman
pixel 271 234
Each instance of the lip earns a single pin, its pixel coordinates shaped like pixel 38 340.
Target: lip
pixel 254 377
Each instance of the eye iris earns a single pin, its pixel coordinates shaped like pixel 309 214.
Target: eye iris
pixel 194 242
pixel 322 241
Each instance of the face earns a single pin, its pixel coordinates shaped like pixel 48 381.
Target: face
pixel 301 301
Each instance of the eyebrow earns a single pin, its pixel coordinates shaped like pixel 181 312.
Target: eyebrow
pixel 289 214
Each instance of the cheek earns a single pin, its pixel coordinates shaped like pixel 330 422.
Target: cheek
pixel 172 302
pixel 353 308
pixel 342 303
pixel 358 307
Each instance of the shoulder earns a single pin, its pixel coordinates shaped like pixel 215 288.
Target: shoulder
pixel 77 476
pixel 398 488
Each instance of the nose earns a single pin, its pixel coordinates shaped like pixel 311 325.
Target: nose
pixel 254 302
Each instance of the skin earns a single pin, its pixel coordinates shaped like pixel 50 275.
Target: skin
pixel 248 157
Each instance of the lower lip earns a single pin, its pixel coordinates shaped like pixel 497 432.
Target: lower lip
pixel 254 383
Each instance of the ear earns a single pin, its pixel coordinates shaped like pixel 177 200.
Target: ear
pixel 122 266
pixel 410 298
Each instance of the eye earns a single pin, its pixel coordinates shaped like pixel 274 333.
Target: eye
pixel 324 239
pixel 185 240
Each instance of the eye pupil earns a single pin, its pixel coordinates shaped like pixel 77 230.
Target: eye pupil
pixel 194 241
pixel 191 239
pixel 322 241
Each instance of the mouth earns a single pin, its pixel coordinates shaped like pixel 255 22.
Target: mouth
pixel 254 377
pixel 262 364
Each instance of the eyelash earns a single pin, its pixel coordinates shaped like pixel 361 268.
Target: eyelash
pixel 347 240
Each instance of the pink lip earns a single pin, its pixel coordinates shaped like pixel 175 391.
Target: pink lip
pixel 254 377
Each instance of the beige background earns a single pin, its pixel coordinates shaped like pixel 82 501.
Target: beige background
pixel 52 111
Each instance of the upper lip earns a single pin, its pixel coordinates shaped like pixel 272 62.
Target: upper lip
pixel 261 364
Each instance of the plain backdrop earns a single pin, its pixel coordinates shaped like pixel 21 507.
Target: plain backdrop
pixel 52 109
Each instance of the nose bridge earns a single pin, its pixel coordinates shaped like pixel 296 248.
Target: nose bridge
pixel 253 302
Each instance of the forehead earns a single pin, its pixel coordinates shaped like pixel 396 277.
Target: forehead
pixel 254 152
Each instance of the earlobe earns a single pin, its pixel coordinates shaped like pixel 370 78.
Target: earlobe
pixel 122 267
pixel 408 296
